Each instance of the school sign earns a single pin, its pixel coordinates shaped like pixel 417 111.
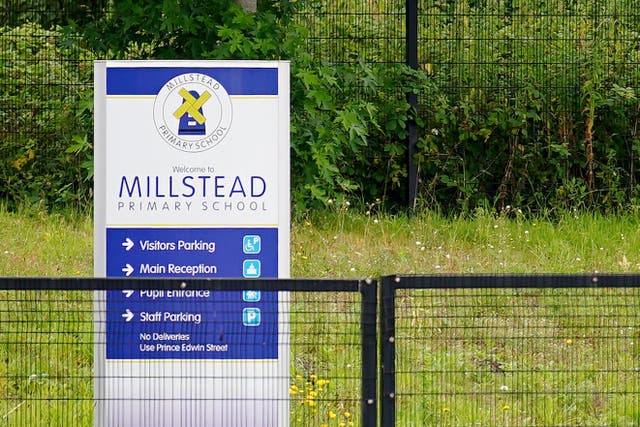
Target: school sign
pixel 191 181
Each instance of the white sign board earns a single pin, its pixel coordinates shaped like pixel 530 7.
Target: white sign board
pixel 191 181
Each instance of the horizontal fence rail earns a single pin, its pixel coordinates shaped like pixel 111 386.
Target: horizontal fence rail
pixel 47 341
pixel 510 350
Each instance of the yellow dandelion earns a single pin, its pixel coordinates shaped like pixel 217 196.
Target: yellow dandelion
pixel 298 377
pixel 347 414
pixel 506 407
pixel 332 414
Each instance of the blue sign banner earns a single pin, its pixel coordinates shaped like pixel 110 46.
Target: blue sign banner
pixel 191 324
pixel 149 80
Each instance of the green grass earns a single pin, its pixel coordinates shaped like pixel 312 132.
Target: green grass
pixel 343 244
pixel 351 245
pixel 46 377
pixel 448 342
pixel 34 244
pixel 527 357
pixel 347 245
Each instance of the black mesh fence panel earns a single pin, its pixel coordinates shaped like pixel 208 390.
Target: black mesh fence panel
pixel 516 356
pixel 348 31
pixel 511 87
pixel 46 358
pixel 490 50
pixel 545 82
pixel 46 78
pixel 498 50
pixel 50 352
pixel 326 369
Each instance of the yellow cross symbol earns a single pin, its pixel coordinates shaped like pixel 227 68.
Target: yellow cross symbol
pixel 192 105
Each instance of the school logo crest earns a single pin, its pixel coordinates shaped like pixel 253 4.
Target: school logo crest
pixel 192 112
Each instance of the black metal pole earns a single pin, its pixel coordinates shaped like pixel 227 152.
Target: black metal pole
pixel 412 99
pixel 368 328
pixel 387 351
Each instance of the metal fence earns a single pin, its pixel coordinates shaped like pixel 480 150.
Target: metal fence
pixel 47 341
pixel 545 350
pixel 348 31
pixel 554 80
pixel 484 45
pixel 510 350
pixel 46 78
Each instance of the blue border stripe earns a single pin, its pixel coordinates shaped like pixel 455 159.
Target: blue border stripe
pixel 149 81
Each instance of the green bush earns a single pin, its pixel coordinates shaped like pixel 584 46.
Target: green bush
pixel 346 135
pixel 532 104
pixel 47 13
pixel 158 29
pixel 45 120
pixel 526 104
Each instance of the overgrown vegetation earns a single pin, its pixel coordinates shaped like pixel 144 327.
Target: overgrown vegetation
pixel 544 111
pixel 520 104
pixel 45 118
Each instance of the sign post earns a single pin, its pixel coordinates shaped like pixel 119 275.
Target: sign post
pixel 191 181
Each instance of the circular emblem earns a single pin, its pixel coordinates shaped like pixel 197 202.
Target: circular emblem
pixel 192 112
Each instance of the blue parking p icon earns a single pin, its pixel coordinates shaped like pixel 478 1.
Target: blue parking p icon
pixel 251 317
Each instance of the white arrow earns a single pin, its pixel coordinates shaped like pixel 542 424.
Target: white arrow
pixel 127 270
pixel 128 315
pixel 128 244
pixel 127 293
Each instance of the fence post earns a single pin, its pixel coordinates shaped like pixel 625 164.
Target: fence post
pixel 368 327
pixel 387 350
pixel 412 61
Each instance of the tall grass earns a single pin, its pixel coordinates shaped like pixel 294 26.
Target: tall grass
pixel 36 244
pixel 325 352
pixel 562 356
pixel 47 369
pixel 353 245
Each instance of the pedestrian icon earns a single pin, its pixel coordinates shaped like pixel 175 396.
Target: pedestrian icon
pixel 251 317
pixel 251 268
pixel 251 244
pixel 250 296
